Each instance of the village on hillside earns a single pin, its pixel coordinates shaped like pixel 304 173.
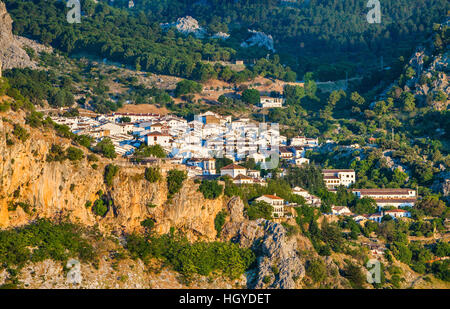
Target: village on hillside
pixel 197 144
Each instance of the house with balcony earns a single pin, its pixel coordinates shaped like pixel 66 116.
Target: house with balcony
pixel 276 202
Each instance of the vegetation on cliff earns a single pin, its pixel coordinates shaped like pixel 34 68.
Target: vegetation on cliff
pixel 42 240
pixel 192 258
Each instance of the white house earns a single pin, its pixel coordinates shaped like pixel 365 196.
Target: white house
pixel 398 213
pixel 376 217
pixel 300 161
pixel 389 197
pixel 259 158
pixel 301 192
pixel 208 165
pixel 336 177
pixel 242 179
pixel 233 170
pixel 269 102
pixel 341 210
pixel 276 202
pixel 158 138
pixel 253 173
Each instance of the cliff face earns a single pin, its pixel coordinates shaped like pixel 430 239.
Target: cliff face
pixel 11 53
pixel 61 189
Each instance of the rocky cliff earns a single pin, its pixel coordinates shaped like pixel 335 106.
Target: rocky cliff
pixel 62 189
pixel 11 53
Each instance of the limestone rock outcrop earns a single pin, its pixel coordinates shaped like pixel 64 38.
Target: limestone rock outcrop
pixel 278 262
pixel 11 53
pixel 31 187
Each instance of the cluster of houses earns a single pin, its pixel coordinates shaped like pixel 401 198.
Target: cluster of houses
pixel 197 143
pixel 389 202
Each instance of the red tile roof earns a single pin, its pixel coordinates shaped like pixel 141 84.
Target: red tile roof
pixel 273 197
pixel 233 167
pixel 386 191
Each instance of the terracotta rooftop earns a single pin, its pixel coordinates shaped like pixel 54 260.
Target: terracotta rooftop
pixel 273 197
pixel 395 210
pixel 156 133
pixel 395 200
pixel 240 176
pixel 337 170
pixel 386 191
pixel 233 167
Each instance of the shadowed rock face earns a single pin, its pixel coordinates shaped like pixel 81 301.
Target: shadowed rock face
pixel 11 53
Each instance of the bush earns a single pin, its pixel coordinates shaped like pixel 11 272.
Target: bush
pixel 111 170
pixel 441 270
pixel 43 240
pixel 106 148
pixel 100 208
pixel 92 158
pixel 192 258
pixel 56 153
pixel 20 132
pixel 259 210
pixel 74 154
pixel 355 275
pixel 152 174
pixel 187 86
pixel 175 180
pixel 148 224
pixel 219 221
pixel 84 140
pixel 150 151
pixel 211 189
pixel 251 96
pixel 317 270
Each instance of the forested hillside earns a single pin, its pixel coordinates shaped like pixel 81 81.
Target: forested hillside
pixel 329 37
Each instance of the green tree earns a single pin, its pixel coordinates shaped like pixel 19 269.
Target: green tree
pixel 175 180
pixel 111 171
pixel 106 148
pixel 152 174
pixel 251 96
pixel 74 154
pixel 258 210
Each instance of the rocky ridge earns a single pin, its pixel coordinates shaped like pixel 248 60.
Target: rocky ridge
pixel 12 54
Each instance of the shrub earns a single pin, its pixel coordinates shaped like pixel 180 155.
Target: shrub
pixel 56 153
pixel 20 132
pixel 219 221
pixel 48 240
pixel 259 210
pixel 92 158
pixel 150 151
pixel 84 140
pixel 192 258
pixel 148 224
pixel 211 189
pixel 355 275
pixel 152 174
pixel 111 170
pixel 187 86
pixel 106 148
pixel 317 270
pixel 74 154
pixel 100 208
pixel 251 96
pixel 175 180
